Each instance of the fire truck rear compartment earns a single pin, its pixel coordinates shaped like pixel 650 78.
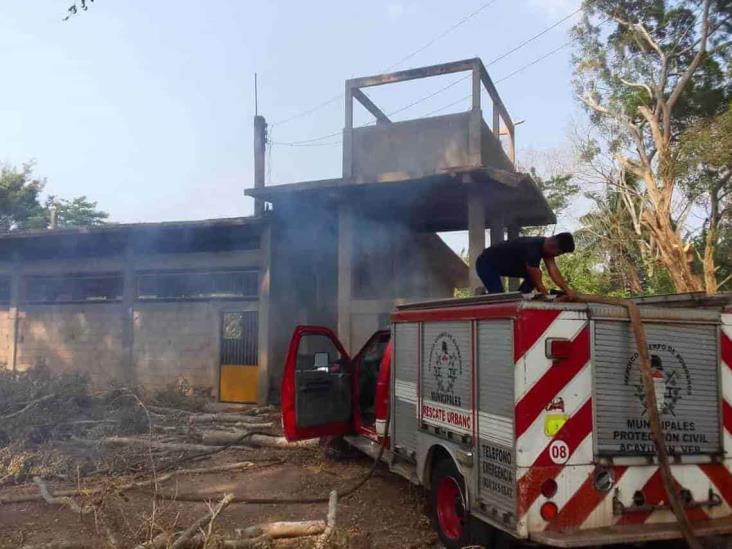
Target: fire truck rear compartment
pixel 686 379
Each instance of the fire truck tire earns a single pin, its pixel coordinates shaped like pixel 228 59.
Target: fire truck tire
pixel 453 524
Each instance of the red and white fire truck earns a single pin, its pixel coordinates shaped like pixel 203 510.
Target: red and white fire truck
pixel 527 419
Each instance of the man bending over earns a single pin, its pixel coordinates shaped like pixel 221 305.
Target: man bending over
pixel 521 258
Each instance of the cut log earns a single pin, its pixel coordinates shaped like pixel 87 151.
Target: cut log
pixel 286 529
pixel 248 420
pixel 264 542
pixel 220 438
pixel 331 521
pixel 171 446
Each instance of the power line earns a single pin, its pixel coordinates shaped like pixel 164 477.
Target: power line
pixel 308 111
pixel 284 144
pixel 537 35
pixel 441 35
pixel 444 88
pixel 534 62
pixel 390 67
pixel 460 100
pixel 517 71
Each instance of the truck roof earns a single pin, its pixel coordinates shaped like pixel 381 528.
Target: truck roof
pixel 677 307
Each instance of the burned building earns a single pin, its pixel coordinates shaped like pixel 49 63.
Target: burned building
pixel 215 302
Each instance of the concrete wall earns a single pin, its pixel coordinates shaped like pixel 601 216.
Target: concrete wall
pixel 84 338
pixel 173 341
pixel 492 152
pixel 169 340
pixel 5 338
pixel 426 146
pixel 413 148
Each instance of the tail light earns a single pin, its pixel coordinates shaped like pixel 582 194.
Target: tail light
pixel 549 511
pixel 557 349
pixel 549 488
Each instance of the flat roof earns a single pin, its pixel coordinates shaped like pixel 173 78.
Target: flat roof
pixel 225 234
pixel 128 227
pixel 434 203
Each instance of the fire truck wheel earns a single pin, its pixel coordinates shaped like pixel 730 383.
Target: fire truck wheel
pixel 449 516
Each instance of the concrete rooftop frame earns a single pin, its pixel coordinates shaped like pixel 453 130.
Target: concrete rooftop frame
pixel 480 78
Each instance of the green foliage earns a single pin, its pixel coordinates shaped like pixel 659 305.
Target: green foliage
pixel 662 124
pixel 703 156
pixel 611 54
pixel 559 190
pixel 19 198
pixel 76 212
pixel 21 208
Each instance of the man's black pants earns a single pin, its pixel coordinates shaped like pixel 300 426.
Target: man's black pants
pixel 491 277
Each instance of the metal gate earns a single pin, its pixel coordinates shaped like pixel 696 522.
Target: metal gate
pixel 238 373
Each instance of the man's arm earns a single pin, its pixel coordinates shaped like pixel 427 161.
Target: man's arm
pixel 535 276
pixel 556 276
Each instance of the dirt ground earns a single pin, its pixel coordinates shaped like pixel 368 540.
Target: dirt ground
pixel 386 512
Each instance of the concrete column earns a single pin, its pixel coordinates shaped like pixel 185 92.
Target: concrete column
pixel 14 310
pixel 348 135
pixel 345 273
pixel 263 316
pixel 476 233
pixel 260 140
pixel 127 370
pixel 513 232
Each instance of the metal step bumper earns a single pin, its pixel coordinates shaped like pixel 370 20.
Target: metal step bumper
pixel 632 533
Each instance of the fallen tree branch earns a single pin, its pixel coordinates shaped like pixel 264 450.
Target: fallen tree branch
pixel 28 406
pixel 249 420
pixel 56 500
pixel 172 446
pixel 215 438
pixel 180 543
pixel 283 529
pixel 59 545
pixel 131 485
pixel 331 521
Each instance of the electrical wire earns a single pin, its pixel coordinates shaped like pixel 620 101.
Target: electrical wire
pixel 441 35
pixel 532 38
pixel 333 99
pixel 307 142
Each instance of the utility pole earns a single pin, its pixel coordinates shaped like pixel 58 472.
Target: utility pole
pixel 260 143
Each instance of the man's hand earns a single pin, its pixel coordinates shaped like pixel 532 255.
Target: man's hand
pixel 569 295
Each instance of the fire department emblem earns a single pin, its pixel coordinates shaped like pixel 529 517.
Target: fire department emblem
pixel 445 362
pixel 670 374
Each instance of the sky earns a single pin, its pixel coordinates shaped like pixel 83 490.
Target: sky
pixel 146 107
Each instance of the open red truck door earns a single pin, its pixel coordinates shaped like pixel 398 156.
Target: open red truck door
pixel 317 386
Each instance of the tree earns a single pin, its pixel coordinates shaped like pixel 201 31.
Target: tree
pixel 19 192
pixel 76 212
pixel 704 161
pixel 20 206
pixel 559 190
pixel 659 68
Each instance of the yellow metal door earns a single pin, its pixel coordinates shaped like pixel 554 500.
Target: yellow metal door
pixel 238 372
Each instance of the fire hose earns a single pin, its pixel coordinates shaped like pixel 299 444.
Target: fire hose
pixel 641 343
